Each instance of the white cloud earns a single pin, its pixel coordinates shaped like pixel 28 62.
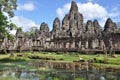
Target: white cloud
pixel 23 22
pixel 62 11
pixel 89 10
pixel 26 7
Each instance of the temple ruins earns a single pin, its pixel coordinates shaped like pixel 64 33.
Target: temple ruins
pixel 70 35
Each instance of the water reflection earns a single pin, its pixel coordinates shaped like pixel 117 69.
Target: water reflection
pixel 102 78
pixel 60 75
pixel 13 74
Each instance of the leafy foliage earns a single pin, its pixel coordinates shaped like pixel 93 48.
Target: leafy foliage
pixel 7 8
pixel 32 32
pixel 3 22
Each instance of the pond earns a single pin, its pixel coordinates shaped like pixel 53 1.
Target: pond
pixel 58 75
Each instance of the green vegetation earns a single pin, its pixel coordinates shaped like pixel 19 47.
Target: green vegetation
pixel 16 61
pixel 8 78
pixel 6 60
pixel 7 8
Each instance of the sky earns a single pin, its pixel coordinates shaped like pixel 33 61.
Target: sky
pixel 33 12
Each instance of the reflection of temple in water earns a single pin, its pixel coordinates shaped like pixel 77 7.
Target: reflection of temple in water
pixel 60 75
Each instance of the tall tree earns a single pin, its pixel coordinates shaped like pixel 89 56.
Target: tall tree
pixel 7 8
pixel 18 32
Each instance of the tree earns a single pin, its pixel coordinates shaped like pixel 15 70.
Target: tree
pixel 3 22
pixel 31 32
pixel 18 32
pixel 33 29
pixel 118 24
pixel 7 8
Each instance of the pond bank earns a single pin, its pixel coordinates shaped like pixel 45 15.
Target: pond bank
pixel 22 60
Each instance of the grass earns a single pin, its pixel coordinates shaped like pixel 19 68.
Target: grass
pixel 23 62
pixel 8 78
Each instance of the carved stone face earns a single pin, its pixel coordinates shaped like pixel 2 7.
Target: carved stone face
pixel 89 26
pixel 89 23
pixel 110 26
pixel 73 32
pixel 73 24
pixel 95 23
pixel 65 25
pixel 56 24
pixel 44 27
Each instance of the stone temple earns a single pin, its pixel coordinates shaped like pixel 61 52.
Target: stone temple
pixel 72 35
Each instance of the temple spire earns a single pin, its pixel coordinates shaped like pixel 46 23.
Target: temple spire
pixel 74 7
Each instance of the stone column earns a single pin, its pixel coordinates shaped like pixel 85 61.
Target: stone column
pixel 79 44
pixel 73 45
pixel 86 45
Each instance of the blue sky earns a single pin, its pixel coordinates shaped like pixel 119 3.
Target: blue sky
pixel 34 12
